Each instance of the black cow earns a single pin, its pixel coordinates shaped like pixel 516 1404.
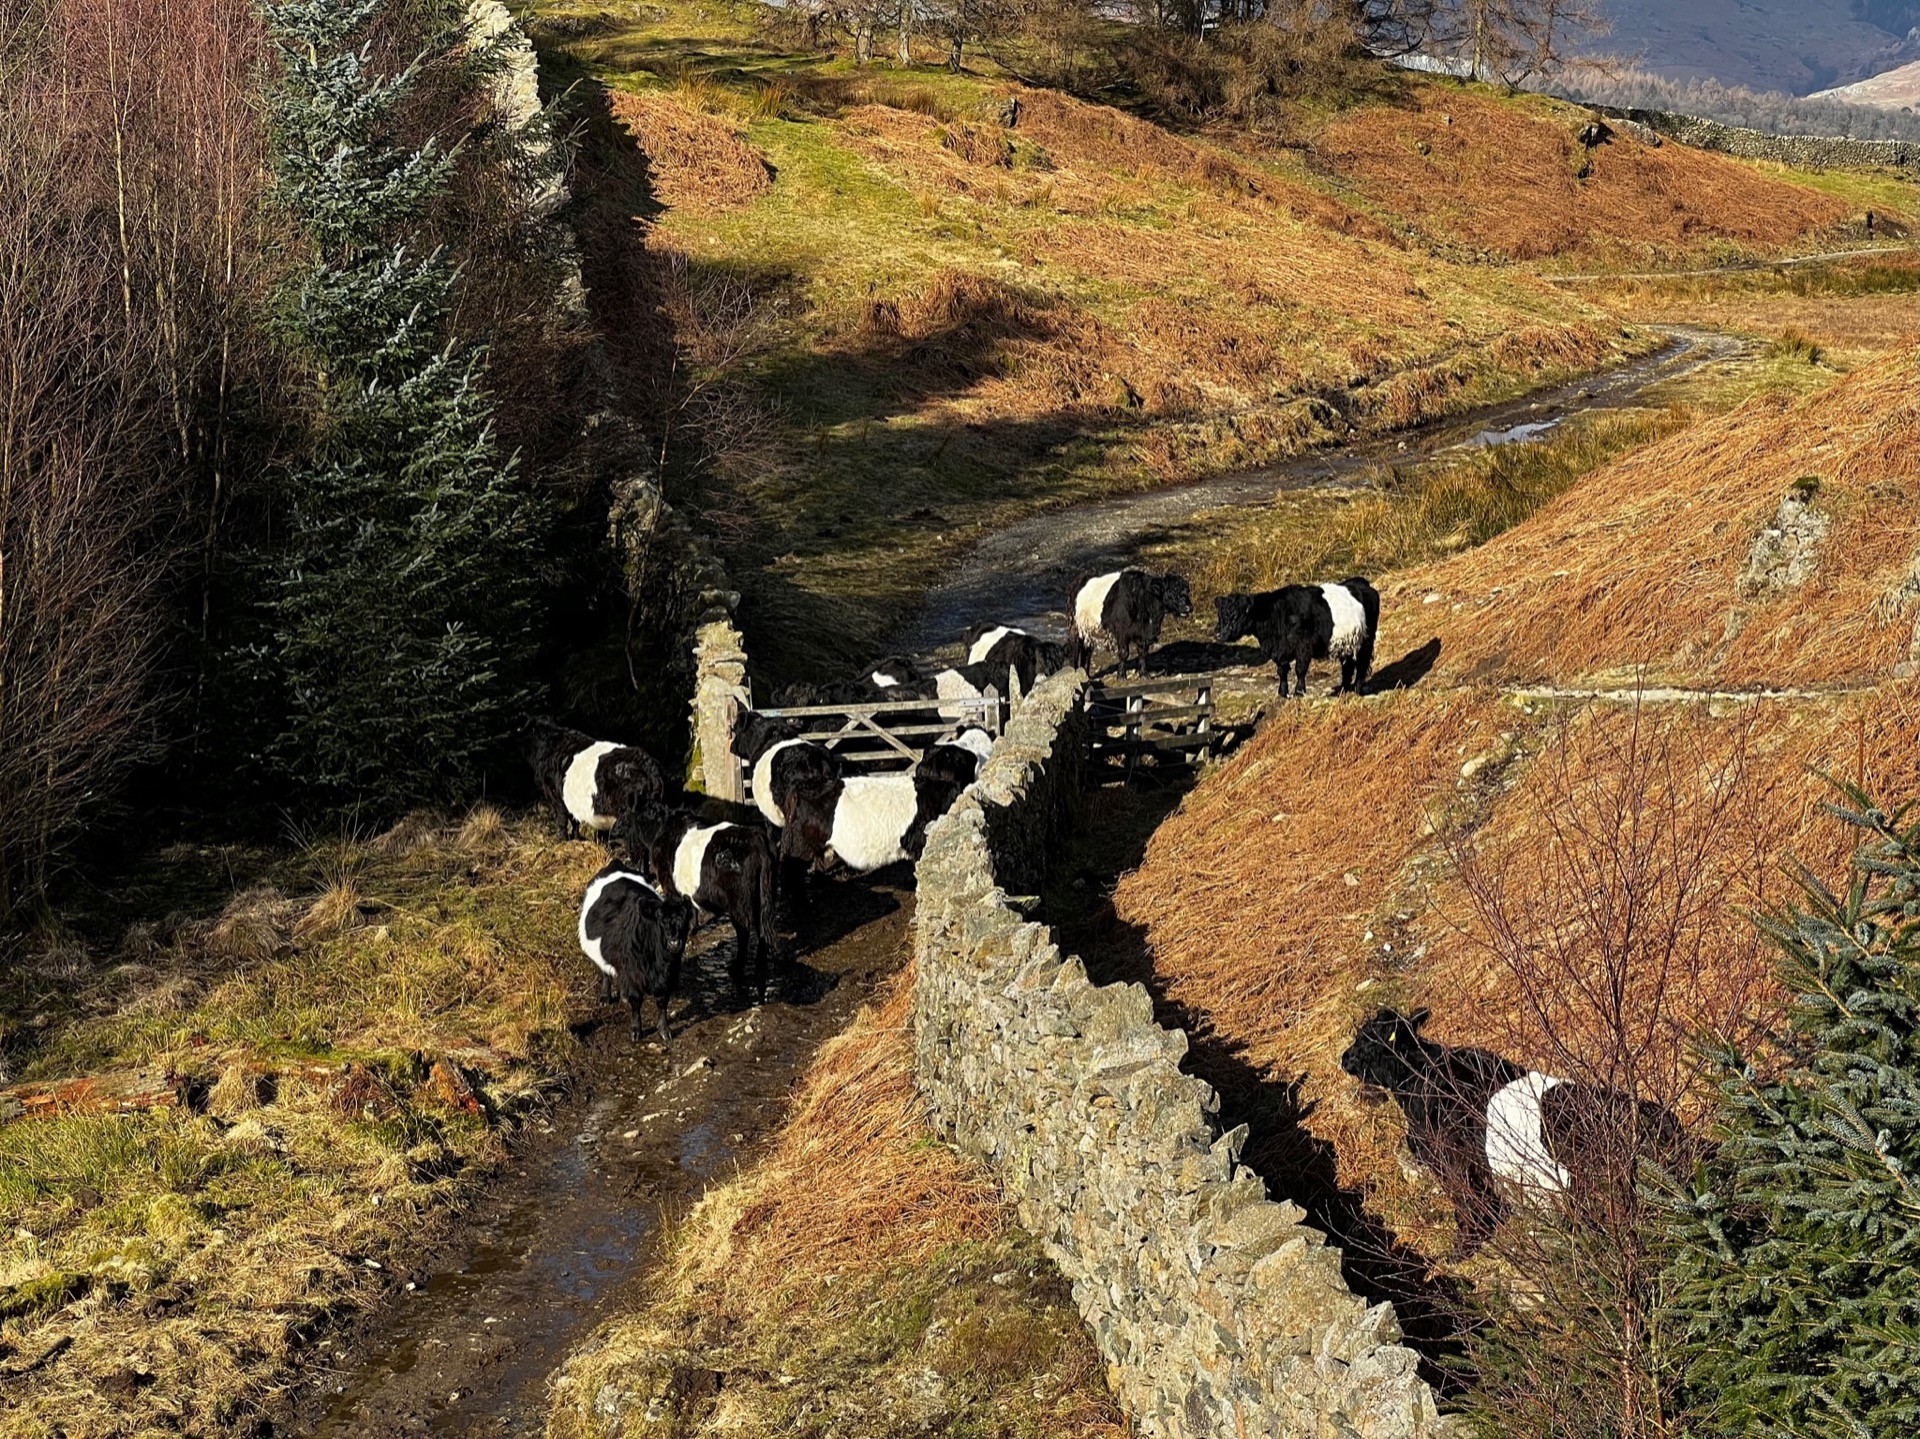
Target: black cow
pixel 957 760
pixel 785 763
pixel 636 937
pixel 723 868
pixel 1126 608
pixel 1489 1128
pixel 1298 624
pixel 588 781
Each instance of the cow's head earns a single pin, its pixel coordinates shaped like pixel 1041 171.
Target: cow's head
pixel 1174 596
pixel 754 734
pixel 639 829
pixel 1388 1052
pixel 1234 617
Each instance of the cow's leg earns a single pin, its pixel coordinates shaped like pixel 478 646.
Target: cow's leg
pixel 1347 667
pixel 1300 663
pixel 1477 1210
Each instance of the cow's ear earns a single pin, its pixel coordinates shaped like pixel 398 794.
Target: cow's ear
pixel 1418 1018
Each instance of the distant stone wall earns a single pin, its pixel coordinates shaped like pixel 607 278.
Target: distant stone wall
pixel 1806 152
pixel 1219 1312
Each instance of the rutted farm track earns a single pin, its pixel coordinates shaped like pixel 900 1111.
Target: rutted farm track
pixel 469 1349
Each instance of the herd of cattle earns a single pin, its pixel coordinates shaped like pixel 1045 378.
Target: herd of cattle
pixel 1484 1125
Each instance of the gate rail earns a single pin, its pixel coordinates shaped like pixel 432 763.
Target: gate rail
pixel 864 740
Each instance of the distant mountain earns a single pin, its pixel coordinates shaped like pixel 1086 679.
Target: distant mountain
pixel 1797 46
pixel 1894 89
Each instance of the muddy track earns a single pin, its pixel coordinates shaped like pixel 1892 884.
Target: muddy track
pixel 468 1344
pixel 1020 575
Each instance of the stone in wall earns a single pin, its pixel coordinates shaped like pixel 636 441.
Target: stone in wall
pixel 1219 1312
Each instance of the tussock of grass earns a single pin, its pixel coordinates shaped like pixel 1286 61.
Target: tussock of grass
pixel 185 1256
pixel 1792 344
pixel 860 1279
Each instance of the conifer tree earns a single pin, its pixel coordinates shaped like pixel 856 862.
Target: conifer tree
pixel 400 589
pixel 1795 1303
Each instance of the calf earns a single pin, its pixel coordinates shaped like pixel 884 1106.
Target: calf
pixel 1488 1128
pixel 1002 649
pixel 723 868
pixel 957 760
pixel 875 820
pixel 1297 624
pixel 636 937
pixel 1127 609
pixel 588 781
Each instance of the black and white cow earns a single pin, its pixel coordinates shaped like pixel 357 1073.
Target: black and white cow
pixel 588 781
pixel 785 763
pixel 1298 624
pixel 1003 649
pixel 1492 1131
pixel 1125 608
pixel 636 937
pixel 957 760
pixel 876 820
pixel 723 868
pixel 891 671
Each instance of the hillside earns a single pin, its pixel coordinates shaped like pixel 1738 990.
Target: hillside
pixel 1895 89
pixel 1508 175
pixel 1664 559
pixel 1387 850
pixel 942 320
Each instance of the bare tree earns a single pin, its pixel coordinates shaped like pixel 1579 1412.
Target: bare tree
pixel 1618 925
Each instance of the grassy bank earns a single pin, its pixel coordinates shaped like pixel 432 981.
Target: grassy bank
pixel 860 1279
pixel 1400 515
pixel 340 1052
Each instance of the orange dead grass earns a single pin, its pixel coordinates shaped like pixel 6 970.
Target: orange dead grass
pixel 1311 879
pixel 851 1186
pixel 1469 170
pixel 695 161
pixel 1639 564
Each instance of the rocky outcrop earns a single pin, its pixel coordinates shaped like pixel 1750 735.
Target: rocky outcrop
pixel 1219 1312
pixel 1787 552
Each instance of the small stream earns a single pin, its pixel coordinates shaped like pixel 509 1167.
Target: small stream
pixel 1021 575
pixel 468 1346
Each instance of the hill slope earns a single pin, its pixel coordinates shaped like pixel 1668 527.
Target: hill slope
pixel 1362 852
pixel 1509 175
pixel 1653 560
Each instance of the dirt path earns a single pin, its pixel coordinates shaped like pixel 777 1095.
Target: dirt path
pixel 468 1345
pixel 1020 575
pixel 1742 268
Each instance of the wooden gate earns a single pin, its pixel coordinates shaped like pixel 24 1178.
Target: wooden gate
pixel 1169 720
pixel 865 740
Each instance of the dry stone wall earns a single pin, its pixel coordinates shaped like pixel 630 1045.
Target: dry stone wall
pixel 1806 152
pixel 1219 1311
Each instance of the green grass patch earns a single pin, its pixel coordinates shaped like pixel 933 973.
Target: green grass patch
pixel 182 1254
pixel 1404 516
